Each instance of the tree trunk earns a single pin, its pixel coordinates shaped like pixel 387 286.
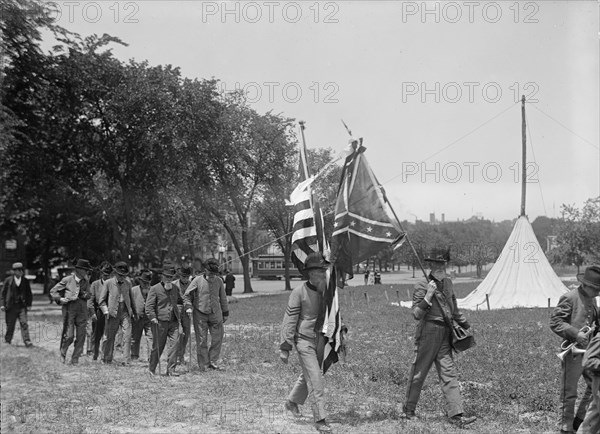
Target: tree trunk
pixel 286 264
pixel 246 262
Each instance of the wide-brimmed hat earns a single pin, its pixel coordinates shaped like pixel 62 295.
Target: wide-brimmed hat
pixel 185 271
pixel 17 266
pixel 211 265
pixel 121 268
pixel 591 276
pixel 84 264
pixel 315 260
pixel 145 276
pixel 439 256
pixel 169 270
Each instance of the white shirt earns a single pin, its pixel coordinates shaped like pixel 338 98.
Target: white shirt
pixel 18 280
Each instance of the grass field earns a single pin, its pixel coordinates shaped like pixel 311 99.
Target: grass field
pixel 509 380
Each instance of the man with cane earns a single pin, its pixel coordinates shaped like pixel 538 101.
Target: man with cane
pixel 161 309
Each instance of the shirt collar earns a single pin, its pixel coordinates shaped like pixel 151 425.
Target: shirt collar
pixel 311 286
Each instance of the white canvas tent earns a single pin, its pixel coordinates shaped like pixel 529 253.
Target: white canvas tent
pixel 521 277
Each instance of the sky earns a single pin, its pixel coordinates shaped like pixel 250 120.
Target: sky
pixel 433 88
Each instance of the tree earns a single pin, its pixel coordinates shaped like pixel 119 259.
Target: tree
pixel 578 234
pixel 252 148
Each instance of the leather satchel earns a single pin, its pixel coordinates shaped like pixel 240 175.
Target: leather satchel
pixel 462 339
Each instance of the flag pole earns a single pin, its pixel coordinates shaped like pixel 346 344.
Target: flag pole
pixel 405 234
pixel 397 219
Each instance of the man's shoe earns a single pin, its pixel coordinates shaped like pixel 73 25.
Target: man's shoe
pixel 461 421
pixel 322 426
pixel 214 366
pixel 74 362
pixel 292 407
pixel 172 374
pixel 29 345
pixel 407 414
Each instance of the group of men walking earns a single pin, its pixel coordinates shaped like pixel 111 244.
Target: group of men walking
pixel 164 312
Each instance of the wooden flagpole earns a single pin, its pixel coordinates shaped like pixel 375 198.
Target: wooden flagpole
pixel 524 162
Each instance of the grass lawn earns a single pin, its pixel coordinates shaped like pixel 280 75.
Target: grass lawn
pixel 509 380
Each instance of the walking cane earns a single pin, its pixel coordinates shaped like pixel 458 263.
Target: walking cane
pixel 190 362
pixel 155 344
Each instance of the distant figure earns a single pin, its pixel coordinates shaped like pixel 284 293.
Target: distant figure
pixel 16 298
pixel 229 282
pixel 367 272
pixel 575 310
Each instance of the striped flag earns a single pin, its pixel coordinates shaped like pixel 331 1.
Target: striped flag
pixel 362 225
pixel 308 236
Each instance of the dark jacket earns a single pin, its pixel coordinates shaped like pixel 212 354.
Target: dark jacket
pixel 160 302
pixel 574 311
pixel 444 300
pixel 110 296
pixel 11 292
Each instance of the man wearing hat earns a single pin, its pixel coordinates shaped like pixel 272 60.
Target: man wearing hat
pixel 117 306
pixel 186 323
pixel 206 303
pixel 73 292
pixel 434 306
pixel 96 315
pixel 302 322
pixel 591 364
pixel 142 323
pixel 575 310
pixel 161 309
pixel 16 298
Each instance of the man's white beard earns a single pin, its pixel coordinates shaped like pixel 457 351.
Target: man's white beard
pixel 168 285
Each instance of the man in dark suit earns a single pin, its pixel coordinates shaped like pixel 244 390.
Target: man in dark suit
pixel 161 309
pixel 575 310
pixel 16 298
pixel 73 292
pixel 229 282
pixel 97 317
pixel 117 306
pixel 435 307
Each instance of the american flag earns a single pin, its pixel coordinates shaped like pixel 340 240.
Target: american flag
pixel 308 237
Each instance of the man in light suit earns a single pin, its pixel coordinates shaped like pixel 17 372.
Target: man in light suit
pixel 96 315
pixel 73 292
pixel 206 302
pixel 117 306
pixel 16 298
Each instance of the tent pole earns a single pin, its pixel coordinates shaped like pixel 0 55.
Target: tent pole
pixel 524 161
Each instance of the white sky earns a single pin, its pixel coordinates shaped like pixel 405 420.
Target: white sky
pixel 370 63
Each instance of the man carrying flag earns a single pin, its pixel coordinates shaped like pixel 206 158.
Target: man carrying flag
pixel 302 325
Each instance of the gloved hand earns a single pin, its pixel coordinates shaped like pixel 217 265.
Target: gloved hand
pixel 284 356
pixel 154 321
